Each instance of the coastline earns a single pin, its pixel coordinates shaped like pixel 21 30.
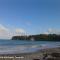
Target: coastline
pixel 30 56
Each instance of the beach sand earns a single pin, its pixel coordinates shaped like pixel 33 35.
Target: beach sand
pixel 30 56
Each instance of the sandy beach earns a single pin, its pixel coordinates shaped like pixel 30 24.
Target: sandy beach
pixel 30 56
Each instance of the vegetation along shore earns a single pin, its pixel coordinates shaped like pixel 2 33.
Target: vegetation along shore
pixel 39 37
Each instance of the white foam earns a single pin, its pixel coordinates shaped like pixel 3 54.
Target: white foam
pixel 24 48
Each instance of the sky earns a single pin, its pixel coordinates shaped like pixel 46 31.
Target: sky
pixel 29 17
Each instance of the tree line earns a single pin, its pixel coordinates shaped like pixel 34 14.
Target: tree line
pixel 39 37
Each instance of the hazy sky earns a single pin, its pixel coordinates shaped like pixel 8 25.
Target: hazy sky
pixel 31 16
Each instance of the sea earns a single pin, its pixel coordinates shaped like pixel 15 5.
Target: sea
pixel 23 46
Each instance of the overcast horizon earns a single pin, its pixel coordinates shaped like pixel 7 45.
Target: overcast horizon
pixel 19 17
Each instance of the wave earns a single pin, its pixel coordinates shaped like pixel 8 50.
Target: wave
pixel 13 47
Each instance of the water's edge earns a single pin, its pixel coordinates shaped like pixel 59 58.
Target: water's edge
pixel 17 46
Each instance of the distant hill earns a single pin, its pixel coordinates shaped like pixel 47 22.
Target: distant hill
pixel 39 37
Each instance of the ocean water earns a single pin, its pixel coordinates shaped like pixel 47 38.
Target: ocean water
pixel 19 46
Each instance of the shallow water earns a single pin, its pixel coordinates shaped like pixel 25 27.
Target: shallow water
pixel 18 46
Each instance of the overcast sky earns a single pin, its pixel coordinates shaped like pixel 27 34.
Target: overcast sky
pixel 31 16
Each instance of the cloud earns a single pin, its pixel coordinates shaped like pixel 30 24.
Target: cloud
pixel 46 33
pixel 8 33
pixel 2 28
pixel 53 31
pixel 18 30
pixel 3 31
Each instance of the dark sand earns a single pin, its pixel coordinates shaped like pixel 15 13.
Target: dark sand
pixel 29 56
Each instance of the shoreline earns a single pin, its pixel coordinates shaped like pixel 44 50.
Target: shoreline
pixel 30 56
pixel 55 49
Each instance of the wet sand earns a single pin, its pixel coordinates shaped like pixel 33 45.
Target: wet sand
pixel 29 56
